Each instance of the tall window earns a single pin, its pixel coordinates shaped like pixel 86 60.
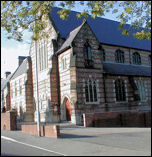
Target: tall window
pixel 141 89
pixel 43 54
pixel 120 90
pixel 90 91
pixel 64 63
pixel 20 86
pixel 88 55
pixel 15 89
pixel 11 93
pixel 149 58
pixel 20 90
pixel 119 56
pixel 136 58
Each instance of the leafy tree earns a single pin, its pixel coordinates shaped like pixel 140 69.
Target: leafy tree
pixel 17 16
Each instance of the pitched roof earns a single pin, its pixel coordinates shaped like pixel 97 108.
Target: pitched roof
pixel 70 39
pixel 5 81
pixel 22 68
pixel 126 69
pixel 105 30
pixel 19 71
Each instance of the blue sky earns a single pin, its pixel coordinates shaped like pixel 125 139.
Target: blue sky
pixel 11 49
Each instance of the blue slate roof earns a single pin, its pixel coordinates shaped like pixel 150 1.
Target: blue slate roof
pixel 105 30
pixel 70 39
pixel 126 69
pixel 5 81
pixel 19 71
pixel 22 68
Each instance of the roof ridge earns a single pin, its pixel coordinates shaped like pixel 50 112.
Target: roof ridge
pixel 71 35
pixel 105 30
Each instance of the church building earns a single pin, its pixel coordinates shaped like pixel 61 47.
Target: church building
pixel 87 66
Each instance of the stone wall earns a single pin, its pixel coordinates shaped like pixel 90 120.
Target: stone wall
pixel 117 119
pixel 128 52
pixel 129 104
pixel 29 115
pixel 46 130
pixel 6 97
pixel 64 80
pixel 21 90
pixel 8 120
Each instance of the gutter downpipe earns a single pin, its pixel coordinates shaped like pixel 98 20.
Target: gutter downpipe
pixel 130 56
pixel 104 88
pixel 58 83
pixel 37 91
pixel 55 45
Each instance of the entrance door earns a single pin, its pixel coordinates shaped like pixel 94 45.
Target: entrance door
pixel 68 110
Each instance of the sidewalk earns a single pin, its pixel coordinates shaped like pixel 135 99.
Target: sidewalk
pixel 77 140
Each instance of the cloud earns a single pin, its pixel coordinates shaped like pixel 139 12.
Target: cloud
pixel 9 57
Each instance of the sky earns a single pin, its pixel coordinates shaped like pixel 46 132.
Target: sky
pixel 11 49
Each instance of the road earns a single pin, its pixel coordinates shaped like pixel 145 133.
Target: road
pixel 79 141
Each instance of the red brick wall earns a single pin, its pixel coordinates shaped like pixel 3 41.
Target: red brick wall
pixel 31 129
pixel 8 121
pixel 53 82
pixel 131 119
pixel 111 119
pixel 52 131
pixel 107 119
pixel 148 118
pixel 48 131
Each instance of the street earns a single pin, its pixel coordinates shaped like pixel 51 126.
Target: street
pixel 80 141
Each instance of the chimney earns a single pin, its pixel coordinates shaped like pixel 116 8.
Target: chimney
pixel 20 59
pixel 7 73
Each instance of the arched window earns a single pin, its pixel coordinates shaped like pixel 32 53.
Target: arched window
pixel 90 91
pixel 64 63
pixel 43 54
pixel 119 56
pixel 136 58
pixel 141 89
pixel 120 90
pixel 88 55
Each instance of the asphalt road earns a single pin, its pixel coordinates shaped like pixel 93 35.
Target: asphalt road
pixel 9 148
pixel 79 141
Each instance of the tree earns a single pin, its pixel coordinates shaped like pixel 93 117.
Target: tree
pixel 17 16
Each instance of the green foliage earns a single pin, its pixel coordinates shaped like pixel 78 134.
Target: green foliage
pixel 17 16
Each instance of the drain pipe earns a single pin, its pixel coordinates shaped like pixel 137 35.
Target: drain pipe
pixel 104 88
pixel 130 56
pixel 58 81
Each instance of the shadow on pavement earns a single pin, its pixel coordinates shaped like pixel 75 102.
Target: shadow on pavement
pixel 62 135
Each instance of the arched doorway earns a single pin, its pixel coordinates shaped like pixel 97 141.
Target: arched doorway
pixel 66 110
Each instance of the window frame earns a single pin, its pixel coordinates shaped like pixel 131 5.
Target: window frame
pixel 88 55
pixel 119 56
pixel 64 65
pixel 120 89
pixel 89 83
pixel 141 90
pixel 42 54
pixel 136 58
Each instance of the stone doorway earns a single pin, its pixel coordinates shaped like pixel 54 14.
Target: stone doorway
pixel 66 110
